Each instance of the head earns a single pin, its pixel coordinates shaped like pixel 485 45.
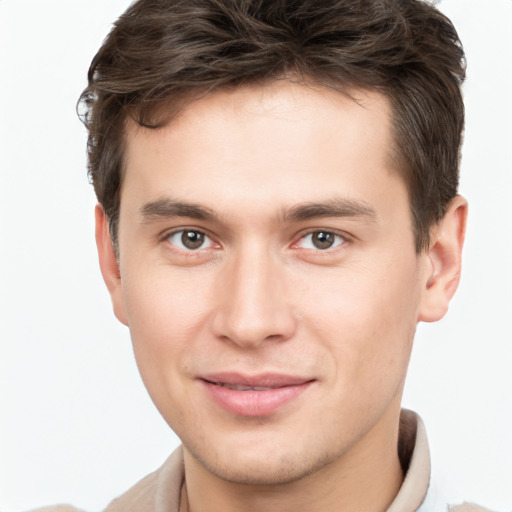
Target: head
pixel 155 61
pixel 277 186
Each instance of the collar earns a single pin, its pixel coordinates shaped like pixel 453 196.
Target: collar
pixel 415 459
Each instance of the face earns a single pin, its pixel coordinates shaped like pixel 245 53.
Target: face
pixel 269 278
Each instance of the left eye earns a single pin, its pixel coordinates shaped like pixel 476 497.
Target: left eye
pixel 320 240
pixel 189 240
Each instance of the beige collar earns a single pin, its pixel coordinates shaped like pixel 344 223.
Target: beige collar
pixel 415 456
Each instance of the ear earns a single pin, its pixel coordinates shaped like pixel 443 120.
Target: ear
pixel 109 264
pixel 443 262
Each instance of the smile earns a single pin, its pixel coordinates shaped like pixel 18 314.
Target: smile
pixel 254 396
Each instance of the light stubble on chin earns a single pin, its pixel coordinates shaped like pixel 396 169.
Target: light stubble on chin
pixel 282 471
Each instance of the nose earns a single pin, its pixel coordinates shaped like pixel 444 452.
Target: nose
pixel 252 305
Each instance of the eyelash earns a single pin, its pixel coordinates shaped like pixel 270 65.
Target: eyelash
pixel 168 236
pixel 341 238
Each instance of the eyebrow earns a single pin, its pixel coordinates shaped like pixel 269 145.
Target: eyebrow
pixel 167 208
pixel 339 207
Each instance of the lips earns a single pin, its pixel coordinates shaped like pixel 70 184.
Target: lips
pixel 257 395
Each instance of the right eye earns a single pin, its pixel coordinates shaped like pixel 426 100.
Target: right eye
pixel 321 240
pixel 190 240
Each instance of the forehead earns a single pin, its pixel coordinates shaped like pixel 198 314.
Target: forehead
pixel 275 144
pixel 281 101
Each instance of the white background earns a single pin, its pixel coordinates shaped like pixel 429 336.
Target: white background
pixel 76 423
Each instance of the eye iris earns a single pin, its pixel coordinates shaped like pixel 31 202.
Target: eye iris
pixel 323 239
pixel 192 239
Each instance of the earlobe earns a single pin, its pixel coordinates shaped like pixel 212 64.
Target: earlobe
pixel 109 264
pixel 443 262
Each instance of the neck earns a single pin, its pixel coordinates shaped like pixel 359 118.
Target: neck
pixel 367 477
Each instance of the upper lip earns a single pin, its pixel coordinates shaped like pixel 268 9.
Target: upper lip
pixel 267 380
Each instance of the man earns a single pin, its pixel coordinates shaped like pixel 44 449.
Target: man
pixel 278 209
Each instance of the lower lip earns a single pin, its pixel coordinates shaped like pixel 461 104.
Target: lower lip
pixel 254 403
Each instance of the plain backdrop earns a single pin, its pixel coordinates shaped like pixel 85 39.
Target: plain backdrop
pixel 76 423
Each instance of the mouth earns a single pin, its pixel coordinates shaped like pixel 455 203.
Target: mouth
pixel 239 387
pixel 252 396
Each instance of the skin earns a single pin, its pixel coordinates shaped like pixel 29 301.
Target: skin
pixel 258 296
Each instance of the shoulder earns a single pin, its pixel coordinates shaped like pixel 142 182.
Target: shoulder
pixel 157 492
pixel 57 508
pixel 139 497
pixel 467 507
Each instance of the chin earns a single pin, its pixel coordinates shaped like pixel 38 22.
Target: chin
pixel 259 467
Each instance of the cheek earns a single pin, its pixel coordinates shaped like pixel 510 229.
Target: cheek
pixel 166 317
pixel 366 317
pixel 166 313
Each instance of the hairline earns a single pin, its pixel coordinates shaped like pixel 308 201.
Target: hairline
pixel 175 105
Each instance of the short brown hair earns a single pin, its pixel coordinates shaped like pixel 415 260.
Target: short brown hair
pixel 163 51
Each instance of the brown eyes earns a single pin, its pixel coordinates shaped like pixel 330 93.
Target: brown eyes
pixel 320 240
pixel 323 239
pixel 190 240
pixel 194 240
